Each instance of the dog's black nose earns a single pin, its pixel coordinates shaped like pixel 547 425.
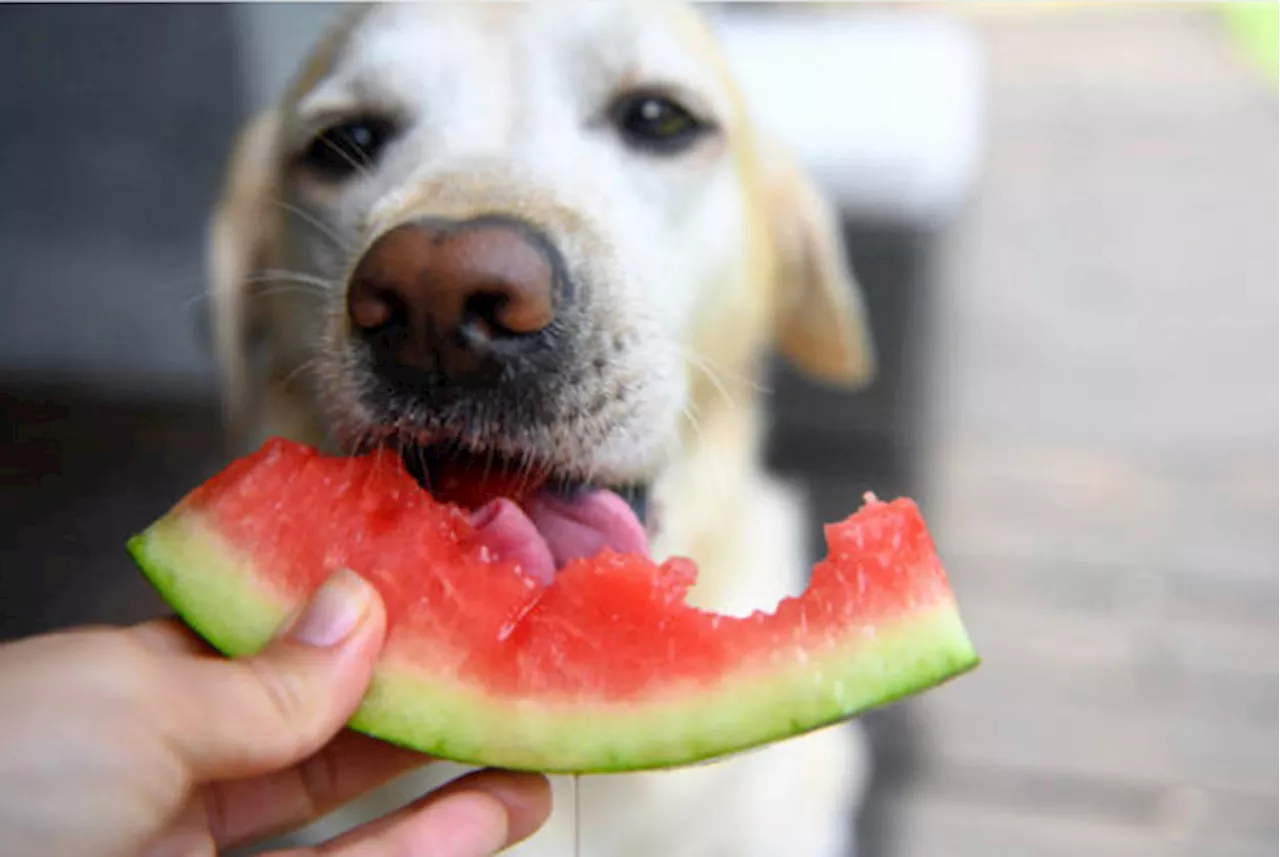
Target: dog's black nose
pixel 454 297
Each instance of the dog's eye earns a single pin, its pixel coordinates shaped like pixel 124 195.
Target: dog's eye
pixel 656 123
pixel 347 148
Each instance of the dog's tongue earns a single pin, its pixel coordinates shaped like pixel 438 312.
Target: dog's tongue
pixel 552 529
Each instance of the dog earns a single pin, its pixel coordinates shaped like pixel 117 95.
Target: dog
pixel 549 235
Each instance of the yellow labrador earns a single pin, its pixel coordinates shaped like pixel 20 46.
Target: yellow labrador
pixel 548 237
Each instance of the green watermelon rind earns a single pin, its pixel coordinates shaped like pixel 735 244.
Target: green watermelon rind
pixel 224 600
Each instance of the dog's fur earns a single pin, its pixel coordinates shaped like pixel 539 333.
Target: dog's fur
pixel 694 266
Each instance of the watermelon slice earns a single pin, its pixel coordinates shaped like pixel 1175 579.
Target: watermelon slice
pixel 603 667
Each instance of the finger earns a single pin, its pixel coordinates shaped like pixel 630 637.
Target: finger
pixel 352 764
pixel 170 636
pixel 231 719
pixel 187 834
pixel 479 814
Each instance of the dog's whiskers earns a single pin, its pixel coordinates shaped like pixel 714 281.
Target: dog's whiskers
pixel 713 378
pixel 525 470
pixel 700 362
pixel 705 363
pixel 283 289
pixel 690 414
pixel 420 454
pixel 362 167
pixel 719 477
pixel 300 278
pixel 279 282
pixel 311 364
pixel 324 229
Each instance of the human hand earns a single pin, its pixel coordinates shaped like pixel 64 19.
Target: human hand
pixel 141 741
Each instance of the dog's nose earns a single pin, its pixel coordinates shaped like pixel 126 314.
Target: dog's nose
pixel 451 296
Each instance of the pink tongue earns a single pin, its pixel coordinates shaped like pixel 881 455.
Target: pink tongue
pixel 507 532
pixel 552 530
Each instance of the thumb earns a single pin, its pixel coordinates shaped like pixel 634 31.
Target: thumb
pixel 257 714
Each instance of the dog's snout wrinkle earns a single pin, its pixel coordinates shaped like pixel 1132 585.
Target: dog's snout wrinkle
pixel 453 297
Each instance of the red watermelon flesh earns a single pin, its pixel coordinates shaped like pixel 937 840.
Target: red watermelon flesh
pixel 601 667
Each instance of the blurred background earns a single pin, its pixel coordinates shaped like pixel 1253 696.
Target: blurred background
pixel 1065 220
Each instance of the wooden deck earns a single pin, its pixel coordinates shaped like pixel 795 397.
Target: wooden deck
pixel 1102 457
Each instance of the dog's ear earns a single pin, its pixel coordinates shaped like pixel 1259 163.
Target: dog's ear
pixel 243 239
pixel 821 324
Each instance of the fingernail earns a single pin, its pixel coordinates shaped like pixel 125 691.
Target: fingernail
pixel 333 612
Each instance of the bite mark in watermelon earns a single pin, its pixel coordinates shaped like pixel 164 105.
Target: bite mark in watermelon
pixel 604 668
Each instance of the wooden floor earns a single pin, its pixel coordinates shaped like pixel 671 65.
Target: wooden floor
pixel 1102 440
